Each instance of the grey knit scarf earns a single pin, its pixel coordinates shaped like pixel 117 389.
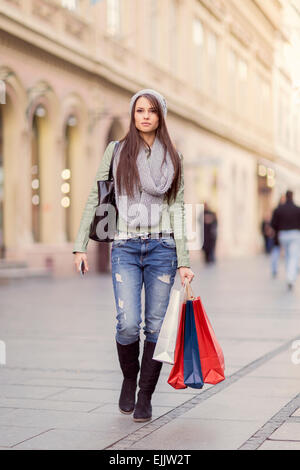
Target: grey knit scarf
pixel 143 210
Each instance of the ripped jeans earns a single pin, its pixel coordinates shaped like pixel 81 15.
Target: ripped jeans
pixel 135 261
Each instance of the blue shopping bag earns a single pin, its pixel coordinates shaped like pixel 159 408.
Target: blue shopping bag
pixel 192 366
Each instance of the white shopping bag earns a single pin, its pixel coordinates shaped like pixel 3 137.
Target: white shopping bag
pixel 165 346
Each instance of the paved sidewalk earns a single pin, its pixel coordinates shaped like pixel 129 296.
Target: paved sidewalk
pixel 59 388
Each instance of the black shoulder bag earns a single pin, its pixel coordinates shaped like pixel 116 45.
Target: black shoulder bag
pixel 103 226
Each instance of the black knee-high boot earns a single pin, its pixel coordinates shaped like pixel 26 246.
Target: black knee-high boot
pixel 130 366
pixel 150 371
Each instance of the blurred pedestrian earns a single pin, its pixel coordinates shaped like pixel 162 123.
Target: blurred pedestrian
pixel 275 254
pixel 267 233
pixel 148 175
pixel 286 221
pixel 210 225
pixel 276 249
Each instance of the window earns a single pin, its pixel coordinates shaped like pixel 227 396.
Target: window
pixel 280 117
pixel 232 74
pixel 154 29
pixel 69 4
pixel 173 35
pixel 113 17
pixel 66 174
pixel 35 175
pixel 238 82
pixel 243 81
pixel 259 100
pixel 287 124
pixel 198 38
pixel 263 101
pixel 295 132
pixel 212 50
pixel 266 96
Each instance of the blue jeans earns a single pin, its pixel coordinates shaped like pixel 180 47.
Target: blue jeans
pixel 290 241
pixel 275 257
pixel 152 262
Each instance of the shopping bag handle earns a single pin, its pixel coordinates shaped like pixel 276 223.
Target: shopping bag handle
pixel 188 292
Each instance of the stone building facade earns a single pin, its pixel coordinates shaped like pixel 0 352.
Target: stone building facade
pixel 69 70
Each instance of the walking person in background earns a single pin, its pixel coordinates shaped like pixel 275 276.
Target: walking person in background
pixel 267 233
pixel 148 175
pixel 276 249
pixel 286 221
pixel 210 225
pixel 275 254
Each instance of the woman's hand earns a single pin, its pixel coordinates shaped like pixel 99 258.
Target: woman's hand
pixel 77 260
pixel 185 273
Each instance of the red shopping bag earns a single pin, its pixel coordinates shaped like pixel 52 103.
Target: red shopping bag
pixel 211 354
pixel 176 377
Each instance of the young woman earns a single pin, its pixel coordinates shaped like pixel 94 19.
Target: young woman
pixel 149 245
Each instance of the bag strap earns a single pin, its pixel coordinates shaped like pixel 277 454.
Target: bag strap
pixel 110 175
pixel 188 292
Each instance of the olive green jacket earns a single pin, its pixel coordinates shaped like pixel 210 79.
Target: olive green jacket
pixel 172 219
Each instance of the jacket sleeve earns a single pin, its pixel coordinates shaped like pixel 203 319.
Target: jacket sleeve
pixel 82 238
pixel 178 219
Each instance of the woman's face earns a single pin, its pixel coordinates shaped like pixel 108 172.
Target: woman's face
pixel 146 118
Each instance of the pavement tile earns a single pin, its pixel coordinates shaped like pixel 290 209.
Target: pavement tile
pixel 280 367
pixel 200 434
pixel 13 435
pixel 65 383
pixel 114 409
pixel 280 445
pixel 287 431
pixel 173 398
pixel 46 404
pixel 231 406
pixel 117 423
pixel 97 396
pixel 61 439
pixel 246 351
pixel 266 387
pixel 5 411
pixel 29 376
pixel 25 391
pixel 12 376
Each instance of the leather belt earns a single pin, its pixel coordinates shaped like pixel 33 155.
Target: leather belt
pixel 144 236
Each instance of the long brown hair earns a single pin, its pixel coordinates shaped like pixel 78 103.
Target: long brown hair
pixel 127 171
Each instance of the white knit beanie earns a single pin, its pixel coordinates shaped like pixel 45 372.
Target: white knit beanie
pixel 157 95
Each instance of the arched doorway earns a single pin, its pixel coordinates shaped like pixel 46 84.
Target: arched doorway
pixel 36 202
pixel 115 133
pixel 66 175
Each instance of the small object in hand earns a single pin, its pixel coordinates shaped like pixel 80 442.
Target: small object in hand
pixel 82 268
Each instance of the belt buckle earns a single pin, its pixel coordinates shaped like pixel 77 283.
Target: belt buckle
pixel 144 236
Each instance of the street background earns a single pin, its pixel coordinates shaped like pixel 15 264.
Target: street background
pixel 60 384
pixel 230 73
